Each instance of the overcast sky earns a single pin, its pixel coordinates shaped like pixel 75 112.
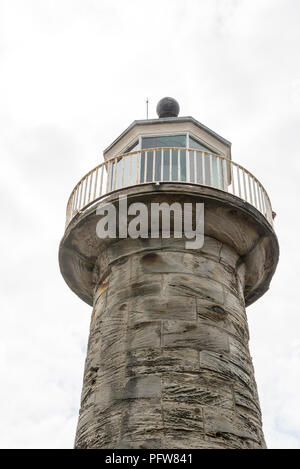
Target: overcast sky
pixel 73 75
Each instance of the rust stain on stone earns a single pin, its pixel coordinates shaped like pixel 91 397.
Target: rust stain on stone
pixel 103 287
pixel 94 314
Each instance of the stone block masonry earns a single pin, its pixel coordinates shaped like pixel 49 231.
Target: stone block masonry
pixel 168 362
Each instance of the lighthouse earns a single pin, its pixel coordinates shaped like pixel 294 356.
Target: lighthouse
pixel 168 362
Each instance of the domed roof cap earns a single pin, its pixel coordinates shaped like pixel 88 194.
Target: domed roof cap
pixel 167 107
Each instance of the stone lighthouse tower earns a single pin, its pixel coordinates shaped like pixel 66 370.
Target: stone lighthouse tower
pixel 168 362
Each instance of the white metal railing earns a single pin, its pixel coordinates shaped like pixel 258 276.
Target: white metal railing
pixel 169 165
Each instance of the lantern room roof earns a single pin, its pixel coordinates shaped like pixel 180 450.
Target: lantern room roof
pixel 180 123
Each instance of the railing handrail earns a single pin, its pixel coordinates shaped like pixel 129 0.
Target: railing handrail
pixel 146 150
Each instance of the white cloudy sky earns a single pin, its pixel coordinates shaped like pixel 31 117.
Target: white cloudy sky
pixel 73 75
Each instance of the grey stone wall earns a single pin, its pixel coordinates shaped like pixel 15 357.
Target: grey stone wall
pixel 168 363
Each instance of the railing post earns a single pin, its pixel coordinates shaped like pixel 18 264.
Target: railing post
pixel 225 175
pixel 195 168
pixel 211 170
pixel 232 178
pixel 96 180
pixel 218 170
pixel 90 186
pixel 138 162
pixel 250 192
pixel 85 190
pixel 239 181
pixel 101 180
pixel 254 192
pixel 245 187
pixel 259 198
pixel 115 173
pixel 187 162
pixel 109 176
pixel 145 166
pixel 203 168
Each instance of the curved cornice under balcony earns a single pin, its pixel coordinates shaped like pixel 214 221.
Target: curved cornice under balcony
pixel 228 219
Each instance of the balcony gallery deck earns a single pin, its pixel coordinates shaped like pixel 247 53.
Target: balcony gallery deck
pixel 165 165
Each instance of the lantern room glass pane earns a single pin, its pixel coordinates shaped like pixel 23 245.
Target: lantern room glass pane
pixel 193 143
pixel 200 164
pixel 158 165
pixel 164 141
pixel 149 169
pixel 166 165
pixel 183 156
pixel 133 147
pixel 174 174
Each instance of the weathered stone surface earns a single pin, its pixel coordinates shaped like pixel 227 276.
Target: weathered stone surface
pixel 211 248
pixel 200 337
pixel 146 334
pixel 246 399
pixel 224 425
pixel 119 292
pixel 211 312
pixel 197 287
pixel 102 430
pixel 147 308
pixel 189 441
pixel 158 360
pixel 221 365
pixel 168 363
pixel 197 390
pixel 239 354
pixel 142 418
pixel 142 387
pixel 182 418
pixel 140 444
pixel 162 262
